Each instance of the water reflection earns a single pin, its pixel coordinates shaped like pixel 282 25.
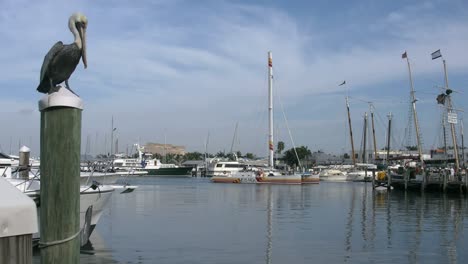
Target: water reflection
pixel 416 228
pixel 269 227
pixel 349 224
pixel 195 221
pixel 96 251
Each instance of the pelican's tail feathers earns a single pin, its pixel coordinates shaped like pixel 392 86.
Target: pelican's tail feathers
pixel 44 87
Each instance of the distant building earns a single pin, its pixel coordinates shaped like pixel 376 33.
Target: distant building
pixel 321 158
pixel 162 149
pixel 396 154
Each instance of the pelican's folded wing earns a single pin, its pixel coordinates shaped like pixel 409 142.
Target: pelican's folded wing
pixel 49 56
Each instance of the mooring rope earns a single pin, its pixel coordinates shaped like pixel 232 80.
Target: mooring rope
pixel 56 242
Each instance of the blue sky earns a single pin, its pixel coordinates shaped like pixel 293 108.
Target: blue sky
pixel 182 69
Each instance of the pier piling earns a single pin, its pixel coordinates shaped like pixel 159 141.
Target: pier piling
pixel 60 177
pixel 24 162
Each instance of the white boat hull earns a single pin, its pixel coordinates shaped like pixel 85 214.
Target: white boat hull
pixel 253 177
pixel 310 178
pixel 96 198
pixel 359 176
pixel 333 175
pixel 334 178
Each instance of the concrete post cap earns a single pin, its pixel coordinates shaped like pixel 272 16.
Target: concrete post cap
pixel 63 97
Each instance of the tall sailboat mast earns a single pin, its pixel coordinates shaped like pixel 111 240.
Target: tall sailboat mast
pixel 373 131
pixel 451 115
pixel 445 140
pixel 270 110
pixel 234 137
pixel 388 136
pixel 364 141
pixel 452 124
pixel 463 143
pixel 350 132
pixel 413 102
pixel 112 137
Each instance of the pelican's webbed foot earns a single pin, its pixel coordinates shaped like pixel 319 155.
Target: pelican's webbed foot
pixel 53 88
pixel 68 87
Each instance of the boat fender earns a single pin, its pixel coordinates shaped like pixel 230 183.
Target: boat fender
pixel 381 175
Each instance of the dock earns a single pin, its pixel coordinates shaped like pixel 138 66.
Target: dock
pixel 427 183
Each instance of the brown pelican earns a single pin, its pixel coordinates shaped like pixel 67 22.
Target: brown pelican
pixel 61 60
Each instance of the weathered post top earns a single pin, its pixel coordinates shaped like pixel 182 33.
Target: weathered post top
pixel 24 149
pixel 63 97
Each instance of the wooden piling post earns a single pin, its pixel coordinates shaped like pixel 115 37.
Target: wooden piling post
pixel 24 162
pixel 60 177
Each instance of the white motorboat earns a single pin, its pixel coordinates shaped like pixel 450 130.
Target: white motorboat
pixel 218 167
pixel 361 172
pixel 153 167
pixel 333 175
pixel 109 177
pixel 93 196
pixel 257 175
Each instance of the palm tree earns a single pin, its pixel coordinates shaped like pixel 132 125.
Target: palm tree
pixel 280 147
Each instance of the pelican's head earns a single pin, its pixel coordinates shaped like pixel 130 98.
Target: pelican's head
pixel 78 24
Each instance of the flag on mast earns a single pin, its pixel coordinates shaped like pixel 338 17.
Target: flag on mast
pixel 404 55
pixel 436 54
pixel 344 82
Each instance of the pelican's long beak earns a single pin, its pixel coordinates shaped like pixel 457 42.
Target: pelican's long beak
pixel 83 47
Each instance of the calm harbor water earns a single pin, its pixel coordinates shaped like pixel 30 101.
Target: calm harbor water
pixel 190 220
